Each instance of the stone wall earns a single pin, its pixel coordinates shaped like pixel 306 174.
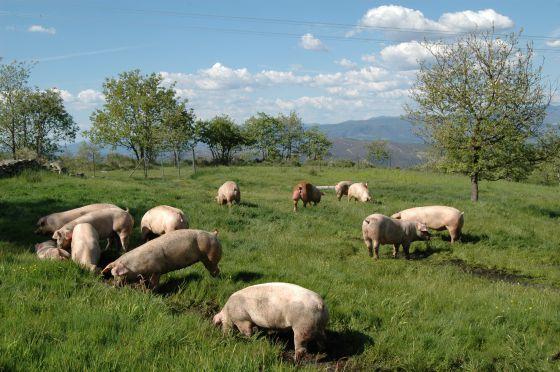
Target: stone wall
pixel 9 168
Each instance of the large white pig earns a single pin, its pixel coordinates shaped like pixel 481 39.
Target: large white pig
pixel 277 306
pixel 161 220
pixel 359 192
pixel 341 189
pixel 228 193
pixel 52 222
pixel 48 251
pixel 378 229
pixel 172 251
pixel 85 246
pixel 106 222
pixel 437 217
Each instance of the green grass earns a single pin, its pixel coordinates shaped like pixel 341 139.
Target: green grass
pixel 491 302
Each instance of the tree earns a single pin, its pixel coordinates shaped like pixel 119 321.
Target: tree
pixel 45 122
pixel 378 151
pixel 292 134
pixel 13 89
pixel 133 115
pixel 316 145
pixel 223 138
pixel 89 152
pixel 264 133
pixel 179 131
pixel 481 104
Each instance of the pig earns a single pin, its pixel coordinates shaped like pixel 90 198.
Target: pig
pixel 359 192
pixel 48 251
pixel 341 188
pixel 437 217
pixel 49 224
pixel 162 219
pixel 228 193
pixel 106 222
pixel 307 193
pixel 278 306
pixel 379 229
pixel 85 246
pixel 172 251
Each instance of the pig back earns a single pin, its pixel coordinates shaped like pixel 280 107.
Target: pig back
pixel 435 217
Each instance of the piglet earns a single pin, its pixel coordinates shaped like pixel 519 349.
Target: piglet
pixel 48 251
pixel 162 219
pixel 277 306
pixel 228 193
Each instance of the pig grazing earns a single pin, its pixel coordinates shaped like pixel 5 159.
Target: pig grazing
pixel 105 221
pixel 228 193
pixel 359 192
pixel 161 220
pixel 341 188
pixel 278 306
pixel 52 222
pixel 378 229
pixel 85 246
pixel 172 251
pixel 307 193
pixel 48 251
pixel 436 217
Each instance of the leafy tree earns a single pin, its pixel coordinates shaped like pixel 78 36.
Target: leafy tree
pixel 481 104
pixel 264 133
pixel 223 138
pixel 89 152
pixel 316 145
pixel 179 131
pixel 45 122
pixel 378 151
pixel 134 113
pixel 13 89
pixel 292 134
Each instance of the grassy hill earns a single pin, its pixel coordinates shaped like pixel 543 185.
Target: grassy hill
pixel 488 303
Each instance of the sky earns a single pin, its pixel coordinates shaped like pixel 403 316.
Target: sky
pixel 329 60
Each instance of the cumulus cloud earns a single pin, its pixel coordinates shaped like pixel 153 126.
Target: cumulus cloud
pixel 370 58
pixel 310 42
pixel 394 17
pixel 553 43
pixel 346 63
pixel 405 55
pixel 83 100
pixel 42 29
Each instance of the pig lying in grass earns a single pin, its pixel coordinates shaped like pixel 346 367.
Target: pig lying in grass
pixel 228 193
pixel 52 222
pixel 341 189
pixel 378 229
pixel 105 221
pixel 48 251
pixel 85 246
pixel 359 192
pixel 278 306
pixel 172 251
pixel 161 220
pixel 307 193
pixel 436 217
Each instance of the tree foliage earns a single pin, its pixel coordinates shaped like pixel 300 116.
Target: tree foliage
pixel 481 104
pixel 223 137
pixel 378 151
pixel 264 133
pixel 315 145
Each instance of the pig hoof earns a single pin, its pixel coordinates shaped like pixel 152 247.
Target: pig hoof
pixel 299 354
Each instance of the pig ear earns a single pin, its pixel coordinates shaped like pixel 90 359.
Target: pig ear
pixel 68 235
pixel 56 235
pixel 37 247
pixel 215 232
pixel 366 185
pixel 119 270
pixel 217 320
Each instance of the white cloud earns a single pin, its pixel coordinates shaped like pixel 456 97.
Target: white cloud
pixel 310 42
pixel 346 63
pixel 405 55
pixel 553 43
pixel 369 58
pixel 42 29
pixel 85 100
pixel 395 17
pixel 90 96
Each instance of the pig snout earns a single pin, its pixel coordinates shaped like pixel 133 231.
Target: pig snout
pixel 215 272
pixel 217 320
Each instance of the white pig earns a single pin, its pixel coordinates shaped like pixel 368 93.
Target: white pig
pixel 278 306
pixel 437 217
pixel 378 229
pixel 105 221
pixel 48 251
pixel 85 246
pixel 172 251
pixel 52 222
pixel 359 192
pixel 162 219
pixel 341 189
pixel 228 193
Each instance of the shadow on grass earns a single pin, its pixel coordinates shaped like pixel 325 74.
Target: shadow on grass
pixel 426 252
pixel 173 285
pixel 550 213
pixel 248 204
pixel 466 238
pixel 246 276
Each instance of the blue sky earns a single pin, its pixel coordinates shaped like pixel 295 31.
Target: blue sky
pixel 247 56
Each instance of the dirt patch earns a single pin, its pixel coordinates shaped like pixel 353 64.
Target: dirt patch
pixel 490 273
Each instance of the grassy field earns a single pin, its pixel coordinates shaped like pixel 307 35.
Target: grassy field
pixel 491 302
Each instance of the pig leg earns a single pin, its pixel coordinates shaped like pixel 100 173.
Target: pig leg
pixel 301 337
pixel 154 280
pixel 396 250
pixel 295 205
pixel 369 246
pixel 454 233
pixel 406 247
pixel 376 249
pixel 304 204
pixel 245 327
pixel 123 235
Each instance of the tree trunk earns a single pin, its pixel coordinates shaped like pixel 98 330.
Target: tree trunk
pixel 145 165
pixel 193 160
pixel 93 160
pixel 474 187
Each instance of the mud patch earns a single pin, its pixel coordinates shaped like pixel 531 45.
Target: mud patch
pixel 490 273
